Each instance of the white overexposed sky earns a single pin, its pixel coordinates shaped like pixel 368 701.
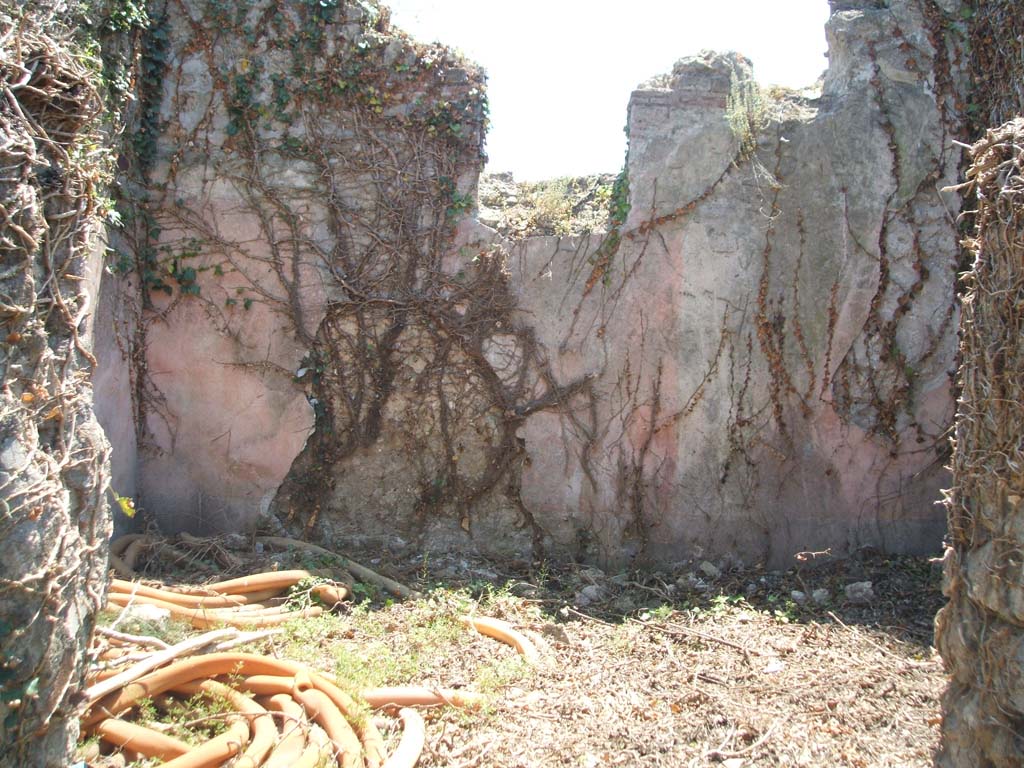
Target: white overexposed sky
pixel 560 71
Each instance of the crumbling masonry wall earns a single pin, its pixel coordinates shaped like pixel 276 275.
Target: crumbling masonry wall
pixel 980 633
pixel 54 521
pixel 755 362
pixel 770 346
pixel 308 167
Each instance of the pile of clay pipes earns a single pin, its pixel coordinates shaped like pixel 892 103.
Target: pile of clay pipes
pixel 298 718
pixel 249 601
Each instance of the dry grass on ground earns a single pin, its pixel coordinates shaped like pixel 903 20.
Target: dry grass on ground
pixel 672 669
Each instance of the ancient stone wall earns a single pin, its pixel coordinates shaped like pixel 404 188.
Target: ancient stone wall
pixel 305 168
pixel 755 361
pixel 768 351
pixel 996 62
pixel 54 520
pixel 981 631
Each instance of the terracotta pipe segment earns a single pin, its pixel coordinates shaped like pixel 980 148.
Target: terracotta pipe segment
pixel 331 594
pixel 292 724
pixel 267 685
pixel 215 751
pixel 269 611
pixel 321 743
pixel 264 733
pixel 369 735
pixel 246 664
pixel 120 567
pixel 132 551
pixel 269 619
pixel 121 586
pixel 317 705
pixel 322 710
pixel 359 571
pixel 255 583
pixel 155 683
pixel 414 735
pixel 145 741
pixel 416 695
pixel 254 610
pixel 202 618
pixel 503 631
pixel 101 675
pixel 315 754
pixel 120 544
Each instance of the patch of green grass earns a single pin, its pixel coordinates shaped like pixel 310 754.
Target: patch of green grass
pixel 783 610
pixel 407 643
pixel 501 673
pixel 169 630
pixel 662 613
pixel 305 639
pixel 145 711
pixel 371 657
pixel 198 718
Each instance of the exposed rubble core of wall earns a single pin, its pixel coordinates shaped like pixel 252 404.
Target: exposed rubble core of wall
pixel 54 522
pixel 980 632
pixel 561 206
pixel 753 361
pixel 996 62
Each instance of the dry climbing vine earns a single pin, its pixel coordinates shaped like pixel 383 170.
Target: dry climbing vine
pixel 53 456
pixel 338 158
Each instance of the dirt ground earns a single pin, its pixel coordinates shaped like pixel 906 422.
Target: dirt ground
pixel 696 667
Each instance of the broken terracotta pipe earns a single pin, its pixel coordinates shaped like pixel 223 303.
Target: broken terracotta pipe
pixel 120 586
pixel 255 583
pixel 320 744
pixel 503 631
pixel 216 751
pixel 139 739
pixel 322 710
pixel 331 594
pixel 264 733
pixel 419 696
pixel 318 707
pixel 120 567
pixel 120 544
pixel 245 664
pixel 153 662
pixel 414 735
pixel 202 618
pixel 293 727
pixel 211 665
pixel 132 551
pixel 157 682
